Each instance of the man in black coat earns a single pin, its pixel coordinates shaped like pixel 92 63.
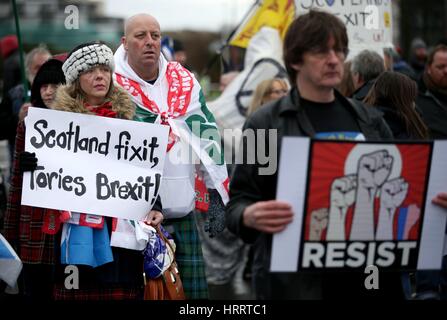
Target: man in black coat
pixel 315 48
pixel 432 99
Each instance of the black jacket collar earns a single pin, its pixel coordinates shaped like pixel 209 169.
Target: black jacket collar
pixel 291 103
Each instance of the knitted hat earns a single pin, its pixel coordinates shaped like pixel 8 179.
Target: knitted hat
pixel 85 57
pixel 49 73
pixel 8 44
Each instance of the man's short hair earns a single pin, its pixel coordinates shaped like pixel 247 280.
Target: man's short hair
pixel 312 30
pixel 368 64
pixel 435 50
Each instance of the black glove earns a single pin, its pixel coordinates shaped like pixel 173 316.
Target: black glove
pixel 27 161
pixel 216 214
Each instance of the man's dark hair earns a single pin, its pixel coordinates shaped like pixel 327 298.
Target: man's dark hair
pixel 435 50
pixel 312 30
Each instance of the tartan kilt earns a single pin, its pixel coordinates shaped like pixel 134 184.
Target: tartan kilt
pixel 189 257
pixel 110 292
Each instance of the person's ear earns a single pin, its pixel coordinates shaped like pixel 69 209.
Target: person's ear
pixel 124 42
pixel 296 66
pixel 357 79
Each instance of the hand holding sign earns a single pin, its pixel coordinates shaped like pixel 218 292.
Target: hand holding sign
pixel 268 216
pixel 27 161
pixel 441 200
pixel 154 218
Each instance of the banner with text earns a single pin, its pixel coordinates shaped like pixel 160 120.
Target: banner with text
pixel 359 204
pixel 91 164
pixel 369 22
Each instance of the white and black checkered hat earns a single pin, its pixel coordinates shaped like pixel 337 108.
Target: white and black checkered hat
pixel 85 57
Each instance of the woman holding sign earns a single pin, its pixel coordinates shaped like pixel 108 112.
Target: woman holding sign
pixel 116 273
pixel 90 268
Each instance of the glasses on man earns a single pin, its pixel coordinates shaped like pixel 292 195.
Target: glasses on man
pixel 324 52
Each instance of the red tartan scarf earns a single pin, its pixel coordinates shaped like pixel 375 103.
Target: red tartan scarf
pixel 104 110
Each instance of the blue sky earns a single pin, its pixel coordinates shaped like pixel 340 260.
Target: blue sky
pixel 211 15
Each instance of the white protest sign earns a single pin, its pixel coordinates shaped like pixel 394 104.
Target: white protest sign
pixel 91 164
pixel 359 203
pixel 368 22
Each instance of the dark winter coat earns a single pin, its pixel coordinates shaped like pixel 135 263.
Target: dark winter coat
pixel 248 187
pixel 433 109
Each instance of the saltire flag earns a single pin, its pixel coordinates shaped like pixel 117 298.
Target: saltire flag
pixel 10 263
pixel 85 245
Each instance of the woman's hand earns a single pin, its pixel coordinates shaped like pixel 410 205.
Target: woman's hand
pixel 441 200
pixel 154 218
pixel 27 161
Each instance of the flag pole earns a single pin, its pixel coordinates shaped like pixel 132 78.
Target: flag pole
pixel 22 63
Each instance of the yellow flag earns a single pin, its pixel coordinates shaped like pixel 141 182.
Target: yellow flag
pixel 277 14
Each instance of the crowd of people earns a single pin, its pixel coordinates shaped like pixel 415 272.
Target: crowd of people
pixel 324 94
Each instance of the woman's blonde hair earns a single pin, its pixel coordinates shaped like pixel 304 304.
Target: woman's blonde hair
pixel 262 93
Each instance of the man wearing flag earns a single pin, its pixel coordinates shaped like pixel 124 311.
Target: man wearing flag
pixel 167 93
